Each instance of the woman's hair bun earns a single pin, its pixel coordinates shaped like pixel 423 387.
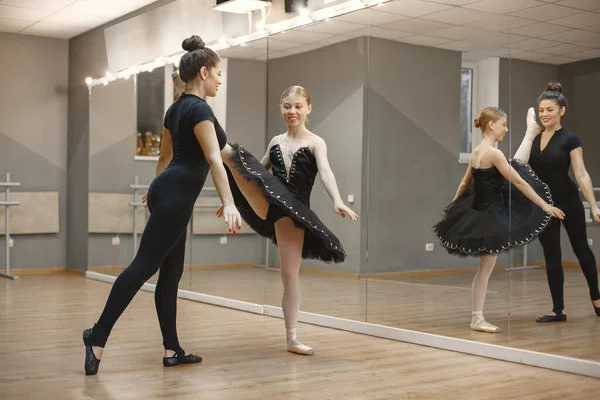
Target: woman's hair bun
pixel 477 123
pixel 192 43
pixel 554 86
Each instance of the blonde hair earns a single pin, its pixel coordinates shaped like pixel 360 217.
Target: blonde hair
pixel 296 89
pixel 488 114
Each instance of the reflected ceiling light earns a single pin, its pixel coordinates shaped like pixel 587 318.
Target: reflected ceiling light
pixel 304 17
pixel 241 6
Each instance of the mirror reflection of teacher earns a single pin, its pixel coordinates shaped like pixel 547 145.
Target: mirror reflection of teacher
pixel 550 155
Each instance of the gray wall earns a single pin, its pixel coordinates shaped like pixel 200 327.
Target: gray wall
pixel 581 84
pixel 337 97
pixel 87 57
pixel 33 136
pixel 413 142
pixel 521 82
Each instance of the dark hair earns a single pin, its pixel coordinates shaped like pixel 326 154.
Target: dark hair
pixel 553 91
pixel 488 114
pixel 197 56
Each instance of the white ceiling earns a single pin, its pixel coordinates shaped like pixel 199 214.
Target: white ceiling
pixel 62 18
pixel 547 31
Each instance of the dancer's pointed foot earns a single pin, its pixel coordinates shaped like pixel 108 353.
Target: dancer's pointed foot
pixel 93 354
pixel 478 323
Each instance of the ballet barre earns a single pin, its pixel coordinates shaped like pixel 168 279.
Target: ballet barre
pixel 7 240
pixel 586 206
pixel 136 186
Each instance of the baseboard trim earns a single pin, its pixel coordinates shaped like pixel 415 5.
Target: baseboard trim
pixel 38 271
pixel 510 354
pixel 187 267
pixel 503 353
pixel 188 295
pixel 305 271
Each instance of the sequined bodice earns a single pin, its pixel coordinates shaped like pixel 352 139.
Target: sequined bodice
pixel 300 176
pixel 487 186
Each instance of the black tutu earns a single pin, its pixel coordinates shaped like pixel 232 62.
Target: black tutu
pixel 481 222
pixel 319 242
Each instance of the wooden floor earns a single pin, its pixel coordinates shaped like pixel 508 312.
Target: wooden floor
pixel 41 353
pixel 434 304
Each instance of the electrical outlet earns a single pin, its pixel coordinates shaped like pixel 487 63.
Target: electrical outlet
pixel 116 240
pixel 429 247
pixel 11 242
pixel 591 241
pixel 223 239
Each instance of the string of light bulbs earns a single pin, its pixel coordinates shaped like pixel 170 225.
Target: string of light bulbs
pixel 303 18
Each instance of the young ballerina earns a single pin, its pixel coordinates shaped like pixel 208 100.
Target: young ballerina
pixel 192 140
pixel 551 155
pixel 482 221
pixel 277 205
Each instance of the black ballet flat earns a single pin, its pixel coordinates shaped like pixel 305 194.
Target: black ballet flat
pixel 552 318
pixel 178 359
pixel 91 362
pixel 596 309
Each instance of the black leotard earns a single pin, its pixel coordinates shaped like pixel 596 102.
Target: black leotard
pixel 171 200
pixel 552 166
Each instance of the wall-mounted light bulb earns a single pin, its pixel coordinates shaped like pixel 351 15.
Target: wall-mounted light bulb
pixel 88 80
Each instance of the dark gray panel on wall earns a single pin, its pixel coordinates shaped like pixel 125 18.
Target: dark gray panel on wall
pixel 87 57
pixel 247 104
pixel 581 86
pixel 413 138
pixel 521 82
pixel 150 100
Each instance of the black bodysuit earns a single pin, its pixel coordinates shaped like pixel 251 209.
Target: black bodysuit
pixel 552 166
pixel 171 200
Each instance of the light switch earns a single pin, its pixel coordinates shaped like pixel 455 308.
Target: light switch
pixel 350 198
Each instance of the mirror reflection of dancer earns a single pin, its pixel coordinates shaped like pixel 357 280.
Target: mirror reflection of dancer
pixel 550 155
pixel 277 205
pixel 481 221
pixel 192 140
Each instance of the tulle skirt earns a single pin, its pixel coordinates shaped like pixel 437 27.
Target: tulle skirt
pixel 465 231
pixel 319 242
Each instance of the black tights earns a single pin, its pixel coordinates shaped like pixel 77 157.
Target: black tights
pixel 162 246
pixel 574 224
